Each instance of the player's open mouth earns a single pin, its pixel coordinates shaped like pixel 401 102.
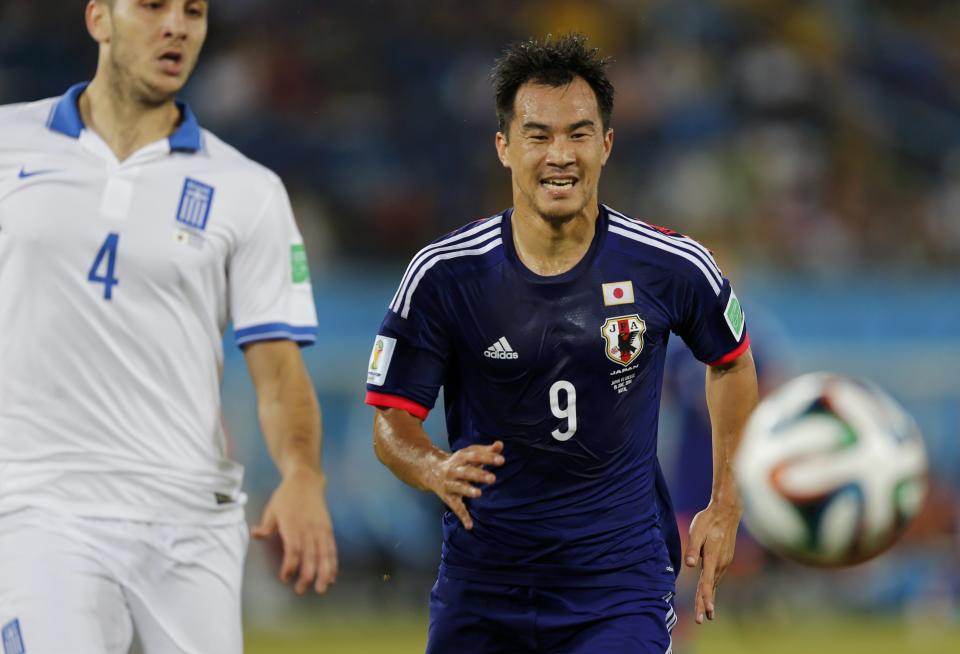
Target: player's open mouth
pixel 171 62
pixel 558 183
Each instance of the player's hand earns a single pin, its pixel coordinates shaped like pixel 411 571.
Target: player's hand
pixel 453 478
pixel 713 536
pixel 298 510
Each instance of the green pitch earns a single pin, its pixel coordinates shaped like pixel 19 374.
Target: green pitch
pixel 846 636
pixel 407 635
pixel 346 635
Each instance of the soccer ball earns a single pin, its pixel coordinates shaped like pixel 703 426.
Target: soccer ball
pixel 831 470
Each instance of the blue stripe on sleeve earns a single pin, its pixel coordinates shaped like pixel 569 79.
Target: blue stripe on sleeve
pixel 276 331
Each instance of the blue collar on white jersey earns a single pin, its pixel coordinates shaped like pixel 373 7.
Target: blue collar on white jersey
pixel 65 118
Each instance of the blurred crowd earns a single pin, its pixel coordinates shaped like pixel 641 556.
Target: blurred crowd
pixel 809 136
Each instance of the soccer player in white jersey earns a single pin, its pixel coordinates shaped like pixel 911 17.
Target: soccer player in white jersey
pixel 129 238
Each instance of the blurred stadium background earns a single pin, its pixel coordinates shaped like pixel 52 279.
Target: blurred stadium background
pixel 814 145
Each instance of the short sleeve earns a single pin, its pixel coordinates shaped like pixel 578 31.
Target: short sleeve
pixel 269 281
pixel 410 354
pixel 711 323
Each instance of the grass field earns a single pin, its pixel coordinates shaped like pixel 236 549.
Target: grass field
pixel 406 635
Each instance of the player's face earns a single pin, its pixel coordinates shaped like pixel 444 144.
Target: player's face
pixel 555 148
pixel 152 46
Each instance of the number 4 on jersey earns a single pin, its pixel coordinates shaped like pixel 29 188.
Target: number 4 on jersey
pixel 106 260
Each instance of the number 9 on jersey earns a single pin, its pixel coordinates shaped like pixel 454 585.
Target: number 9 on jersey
pixel 567 412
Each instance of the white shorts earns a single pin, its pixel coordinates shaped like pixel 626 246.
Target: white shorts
pixel 73 585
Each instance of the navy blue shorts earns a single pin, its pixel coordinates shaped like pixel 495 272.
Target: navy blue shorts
pixel 470 617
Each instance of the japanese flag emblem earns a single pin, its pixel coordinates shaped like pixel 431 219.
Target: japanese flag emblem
pixel 623 338
pixel 617 293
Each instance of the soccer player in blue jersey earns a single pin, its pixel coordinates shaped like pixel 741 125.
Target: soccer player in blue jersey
pixel 129 238
pixel 547 326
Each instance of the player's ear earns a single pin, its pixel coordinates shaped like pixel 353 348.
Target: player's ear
pixel 97 17
pixel 501 142
pixel 607 146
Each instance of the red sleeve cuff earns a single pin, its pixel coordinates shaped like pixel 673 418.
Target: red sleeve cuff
pixel 384 401
pixel 734 354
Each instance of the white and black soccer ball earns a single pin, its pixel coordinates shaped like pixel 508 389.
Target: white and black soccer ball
pixel 831 470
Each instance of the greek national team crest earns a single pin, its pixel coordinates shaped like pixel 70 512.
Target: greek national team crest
pixel 195 200
pixel 623 337
pixel 12 638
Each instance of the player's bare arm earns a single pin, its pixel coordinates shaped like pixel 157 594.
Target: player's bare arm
pixel 290 421
pixel 402 445
pixel 731 397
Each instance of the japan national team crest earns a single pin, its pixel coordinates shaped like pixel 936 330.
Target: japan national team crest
pixel 623 337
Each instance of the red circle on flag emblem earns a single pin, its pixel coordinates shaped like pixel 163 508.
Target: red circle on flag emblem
pixel 618 293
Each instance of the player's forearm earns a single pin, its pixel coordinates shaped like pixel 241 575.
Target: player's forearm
pixel 731 397
pixel 290 422
pixel 287 406
pixel 402 445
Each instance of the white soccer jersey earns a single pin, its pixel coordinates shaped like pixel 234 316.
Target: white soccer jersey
pixel 117 280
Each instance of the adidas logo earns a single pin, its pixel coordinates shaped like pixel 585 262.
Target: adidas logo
pixel 500 350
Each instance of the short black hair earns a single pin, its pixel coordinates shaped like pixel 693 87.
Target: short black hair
pixel 553 62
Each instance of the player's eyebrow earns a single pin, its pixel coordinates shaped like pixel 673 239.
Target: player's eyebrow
pixel 531 126
pixel 580 124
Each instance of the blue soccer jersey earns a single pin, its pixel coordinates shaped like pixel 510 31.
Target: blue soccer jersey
pixel 567 371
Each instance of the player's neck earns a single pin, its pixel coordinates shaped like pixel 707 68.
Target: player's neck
pixel 123 122
pixel 552 248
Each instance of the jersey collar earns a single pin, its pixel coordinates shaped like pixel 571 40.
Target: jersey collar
pixel 578 269
pixel 65 118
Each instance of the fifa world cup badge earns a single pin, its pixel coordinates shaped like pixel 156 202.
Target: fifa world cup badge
pixel 380 359
pixel 377 351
